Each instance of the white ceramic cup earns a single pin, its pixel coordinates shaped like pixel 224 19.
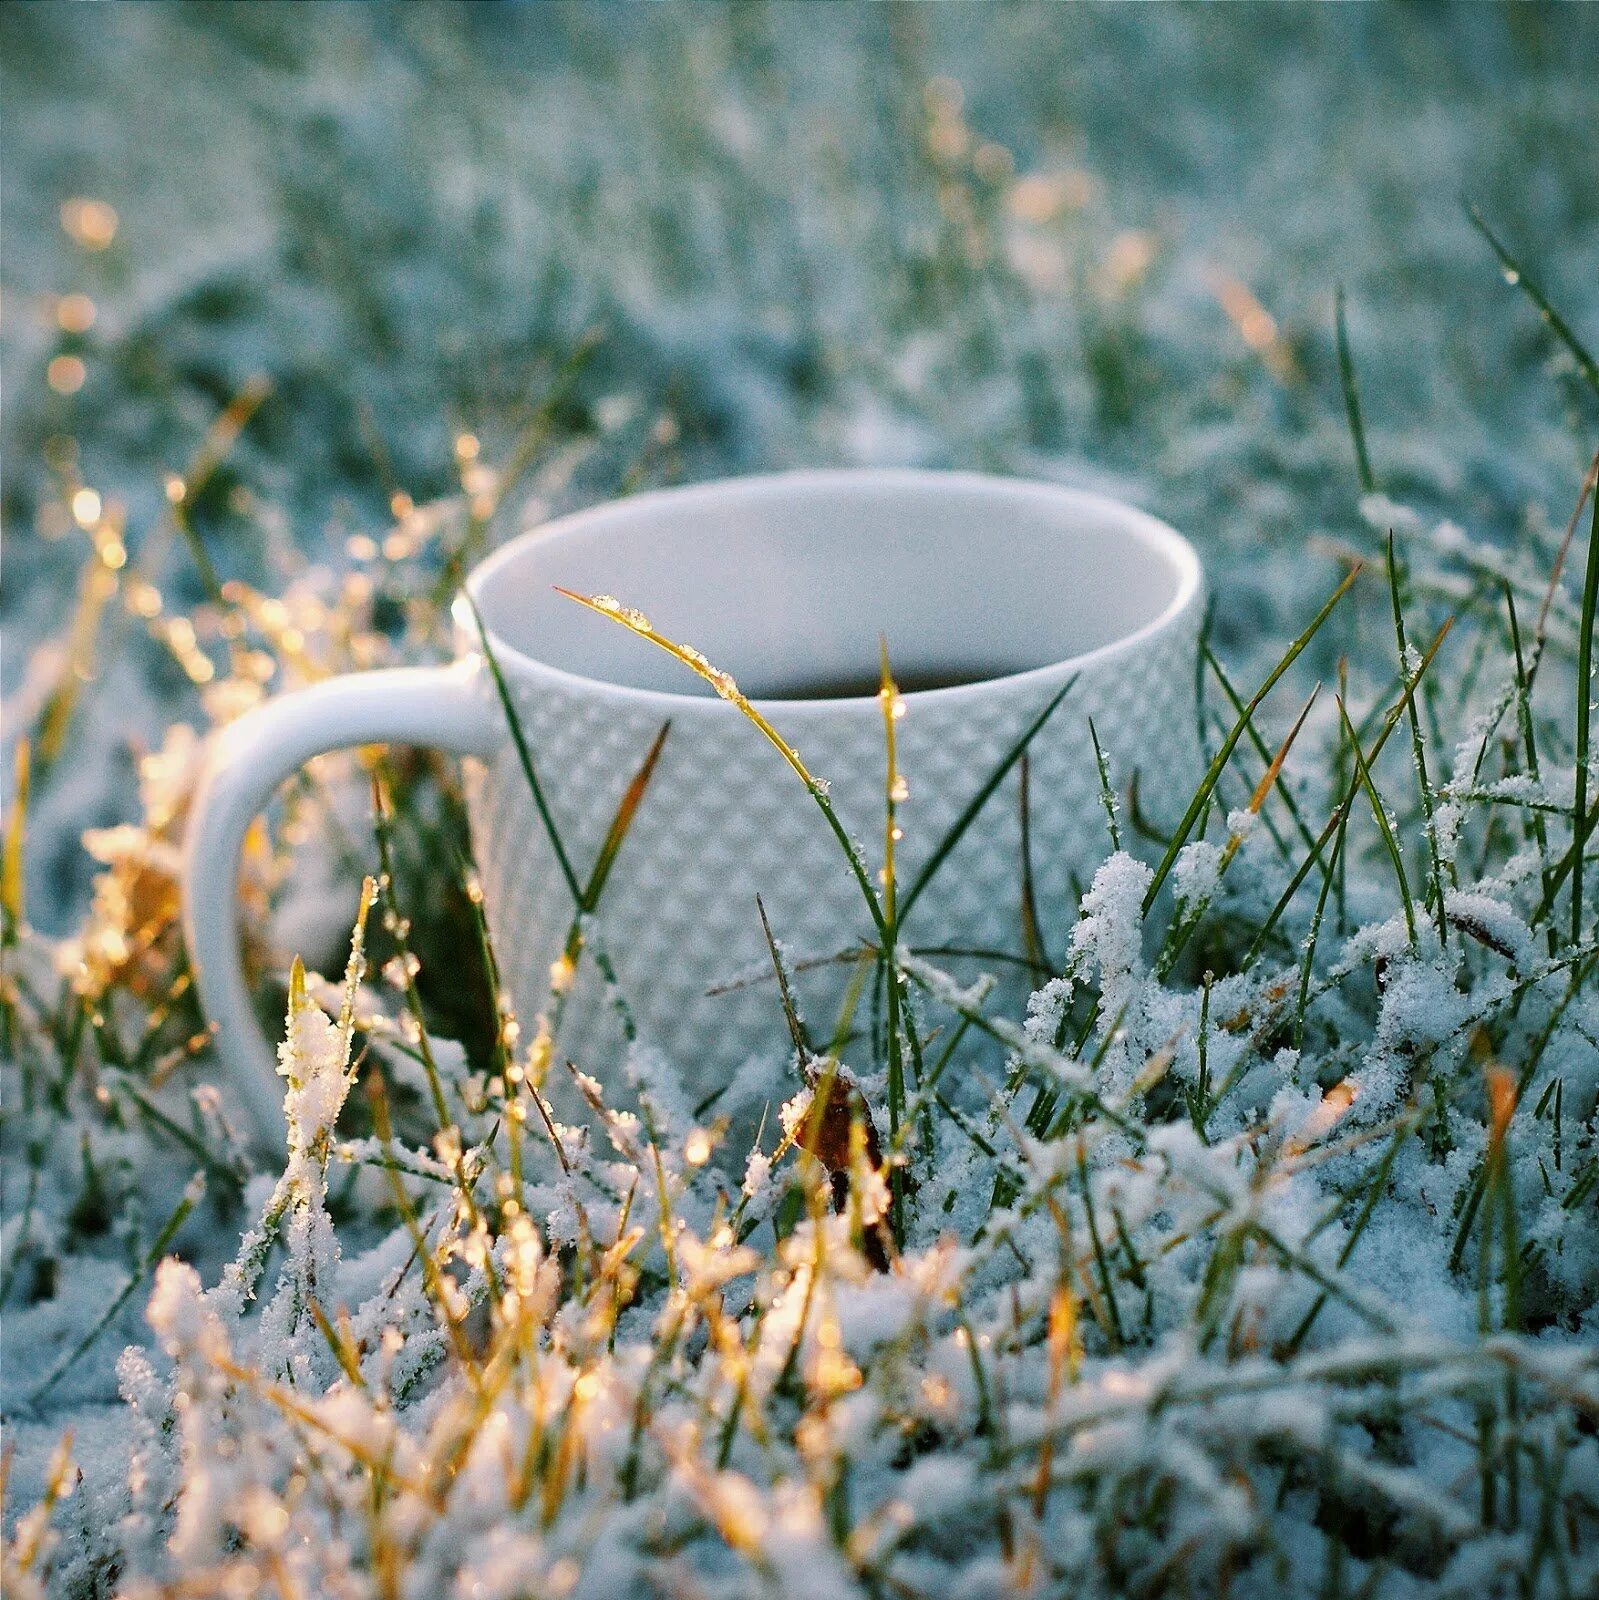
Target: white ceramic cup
pixel 787 582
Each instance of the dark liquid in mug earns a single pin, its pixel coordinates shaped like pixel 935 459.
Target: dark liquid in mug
pixel 863 686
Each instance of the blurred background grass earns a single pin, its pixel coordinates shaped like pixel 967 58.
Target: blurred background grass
pixel 1099 244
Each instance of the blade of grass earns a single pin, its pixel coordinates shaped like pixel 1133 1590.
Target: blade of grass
pixel 1346 379
pixel 442 1301
pixel 192 1193
pixel 1106 1287
pixel 1564 867
pixel 122 1083
pixel 1199 1104
pixel 466 875
pixel 1039 1115
pixel 893 708
pixel 1308 961
pixel 1107 796
pixel 1590 483
pixel 1039 969
pixel 1384 826
pixel 796 1026
pixel 1376 1187
pixel 214 448
pixel 1224 755
pixel 395 924
pixel 1200 658
pixel 1259 743
pixel 1032 935
pixel 622 820
pixel 978 801
pixel 1269 778
pixel 577 939
pixel 1580 821
pixel 1033 1054
pixel 528 442
pixel 1351 790
pixel 11 901
pixel 96 585
pixel 1516 276
pixel 723 684
pixel 1529 741
pixel 524 755
pixel 1183 928
pixel 1418 752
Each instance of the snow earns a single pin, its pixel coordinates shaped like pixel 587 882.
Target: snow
pixel 783 224
pixel 1109 938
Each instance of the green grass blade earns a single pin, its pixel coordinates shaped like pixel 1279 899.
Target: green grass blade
pixel 1380 812
pixel 1590 483
pixel 1184 927
pixel 1376 1187
pixel 796 1026
pixel 382 831
pixel 576 939
pixel 722 682
pixel 978 801
pixel 1352 789
pixel 1346 379
pixel 1106 1287
pixel 192 1193
pixel 632 798
pixel 1229 744
pixel 1418 751
pixel 1107 796
pixel 1565 866
pixel 1529 741
pixel 1516 276
pixel 1308 962
pixel 1383 824
pixel 1581 817
pixel 1260 746
pixel 525 756
pixel 1032 1054
pixel 1032 934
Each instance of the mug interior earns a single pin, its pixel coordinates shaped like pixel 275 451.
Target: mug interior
pixel 789 581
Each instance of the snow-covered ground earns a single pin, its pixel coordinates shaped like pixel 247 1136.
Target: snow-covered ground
pixel 1094 244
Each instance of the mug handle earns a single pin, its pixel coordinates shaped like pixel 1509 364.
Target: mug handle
pixel 444 708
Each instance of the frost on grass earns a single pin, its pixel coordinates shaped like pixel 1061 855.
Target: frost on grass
pixel 1206 1310
pixel 1207 1271
pixel 1257 1254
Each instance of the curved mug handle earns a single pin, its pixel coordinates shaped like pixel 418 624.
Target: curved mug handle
pixel 440 707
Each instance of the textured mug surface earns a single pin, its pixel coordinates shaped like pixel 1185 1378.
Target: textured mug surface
pixel 784 580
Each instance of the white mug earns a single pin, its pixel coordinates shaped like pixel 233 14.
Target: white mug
pixel 1004 591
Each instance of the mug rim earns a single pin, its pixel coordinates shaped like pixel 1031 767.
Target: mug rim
pixel 1156 534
